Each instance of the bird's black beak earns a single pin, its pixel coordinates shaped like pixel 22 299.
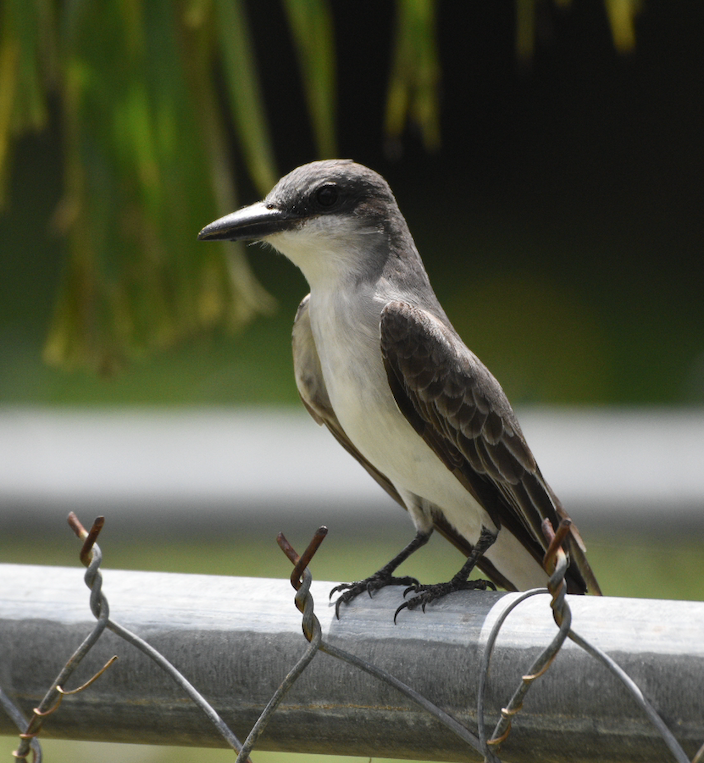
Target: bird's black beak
pixel 251 223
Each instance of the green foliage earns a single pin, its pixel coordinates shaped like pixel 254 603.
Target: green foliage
pixel 137 98
pixel 246 105
pixel 27 62
pixel 621 14
pixel 413 87
pixel 145 138
pixel 312 28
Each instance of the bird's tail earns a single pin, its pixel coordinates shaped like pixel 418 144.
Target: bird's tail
pixel 578 557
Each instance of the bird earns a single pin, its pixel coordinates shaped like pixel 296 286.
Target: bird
pixel 377 361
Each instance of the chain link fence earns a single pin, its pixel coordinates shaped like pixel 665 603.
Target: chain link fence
pixel 472 676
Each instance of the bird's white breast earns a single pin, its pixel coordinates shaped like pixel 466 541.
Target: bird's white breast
pixel 345 328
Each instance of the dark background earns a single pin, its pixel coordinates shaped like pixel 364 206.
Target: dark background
pixel 560 221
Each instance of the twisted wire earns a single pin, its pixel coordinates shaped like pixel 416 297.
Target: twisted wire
pixel 556 564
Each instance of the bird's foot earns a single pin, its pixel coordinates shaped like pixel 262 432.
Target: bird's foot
pixel 371 584
pixel 428 593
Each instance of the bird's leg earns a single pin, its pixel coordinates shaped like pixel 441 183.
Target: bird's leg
pixel 428 593
pixel 382 577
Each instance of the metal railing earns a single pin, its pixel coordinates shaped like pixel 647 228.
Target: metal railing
pixel 479 675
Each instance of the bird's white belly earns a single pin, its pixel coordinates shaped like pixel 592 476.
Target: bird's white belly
pixel 357 384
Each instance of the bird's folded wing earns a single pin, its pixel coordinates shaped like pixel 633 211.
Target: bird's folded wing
pixel 459 409
pixel 314 393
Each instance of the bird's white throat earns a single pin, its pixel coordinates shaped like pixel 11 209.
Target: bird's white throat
pixel 329 249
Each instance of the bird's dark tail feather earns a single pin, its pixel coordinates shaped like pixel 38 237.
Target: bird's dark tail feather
pixel 578 560
pixel 580 578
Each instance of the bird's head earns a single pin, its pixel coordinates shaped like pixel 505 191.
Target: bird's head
pixel 331 218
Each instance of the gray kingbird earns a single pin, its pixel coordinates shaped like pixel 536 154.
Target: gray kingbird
pixel 378 362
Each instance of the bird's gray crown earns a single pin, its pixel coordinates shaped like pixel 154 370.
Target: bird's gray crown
pixel 335 186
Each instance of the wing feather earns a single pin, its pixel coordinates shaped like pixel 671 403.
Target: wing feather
pixel 460 410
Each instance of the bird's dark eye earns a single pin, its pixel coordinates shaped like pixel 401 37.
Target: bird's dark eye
pixel 327 195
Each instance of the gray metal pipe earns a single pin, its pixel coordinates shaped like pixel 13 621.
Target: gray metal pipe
pixel 236 638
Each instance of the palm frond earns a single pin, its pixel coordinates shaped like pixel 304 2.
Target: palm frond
pixel 140 182
pixel 415 73
pixel 140 87
pixel 312 28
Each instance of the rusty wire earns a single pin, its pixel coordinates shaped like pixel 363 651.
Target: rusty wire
pixel 556 563
pixel 52 699
pixel 93 580
pixel 301 580
pixel 699 757
pixel 22 723
pixel 91 556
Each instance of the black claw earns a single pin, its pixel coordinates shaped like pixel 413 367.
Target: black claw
pixel 337 588
pixel 371 585
pixel 403 606
pixel 425 594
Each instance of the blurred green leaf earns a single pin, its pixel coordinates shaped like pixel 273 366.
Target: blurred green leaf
pixel 8 84
pixel 525 29
pixel 147 154
pixel 26 63
pixel 246 102
pixel 138 187
pixel 415 73
pixel 312 28
pixel 622 16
